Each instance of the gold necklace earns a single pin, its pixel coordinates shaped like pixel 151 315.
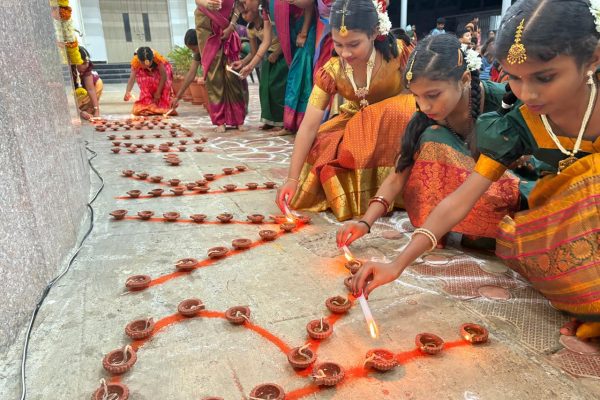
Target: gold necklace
pixel 362 92
pixel 562 164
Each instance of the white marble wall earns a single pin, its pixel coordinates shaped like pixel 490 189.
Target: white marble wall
pixel 180 19
pixel 87 18
pixel 44 180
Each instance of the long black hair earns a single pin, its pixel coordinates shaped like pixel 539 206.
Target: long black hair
pixel 437 58
pixel 361 15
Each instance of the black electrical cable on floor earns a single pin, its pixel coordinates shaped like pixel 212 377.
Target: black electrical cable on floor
pixel 57 278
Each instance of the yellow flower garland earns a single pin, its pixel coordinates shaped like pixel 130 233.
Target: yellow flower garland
pixel 73 54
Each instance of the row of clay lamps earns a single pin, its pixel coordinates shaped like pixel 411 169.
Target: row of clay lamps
pixel 128 173
pixel 117 143
pixel 192 187
pixel 173 134
pixel 102 126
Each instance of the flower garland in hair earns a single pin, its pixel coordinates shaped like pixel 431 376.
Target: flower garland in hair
pixel 474 62
pixel 385 25
pixel 595 10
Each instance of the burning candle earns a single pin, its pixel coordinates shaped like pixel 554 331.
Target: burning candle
pixel 168 112
pixel 288 213
pixel 228 68
pixel 373 330
pixel 347 253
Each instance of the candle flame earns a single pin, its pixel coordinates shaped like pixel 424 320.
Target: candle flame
pixel 373 329
pixel 347 253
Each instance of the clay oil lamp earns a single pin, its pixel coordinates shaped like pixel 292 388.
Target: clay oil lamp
pixel 338 304
pixel 173 133
pixel 178 190
pixel 132 149
pixel 183 142
pixel 145 215
pixel 189 134
pixel 119 214
pixel 147 149
pixel 182 148
pixel 225 217
pixel 140 328
pixel 228 171
pixel 197 141
pixel 138 127
pixel 127 127
pixel 174 182
pixel 353 265
pixel 241 168
pixel 126 136
pixel 301 357
pixel 204 139
pixel 267 391
pixel 127 144
pixel 199 218
pixel 156 179
pixel 100 129
pixel 175 125
pixel 169 143
pixel 252 185
pixel 139 145
pixel 267 235
pixel 173 161
pixel 304 219
pixel 199 149
pixel 190 307
pixel 241 244
pixel 319 329
pixel 134 194
pixel 348 282
pixel 151 145
pixel 287 226
pixel 140 136
pixel 113 391
pixel 270 185
pixel 186 264
pixel 210 177
pixel 128 172
pixel 116 150
pixel 115 128
pixel 201 182
pixel 218 252
pixel 202 189
pixel 119 361
pixel 138 282
pixel 190 185
pixel 164 149
pixel 156 192
pixel 256 218
pixel 238 315
pixel 380 360
pixel 279 219
pixel 328 374
pixel 429 343
pixel 112 137
pixel 171 216
pixel 162 127
pixel 157 135
pixel 474 333
pixel 142 175
pixel 230 187
pixel 116 143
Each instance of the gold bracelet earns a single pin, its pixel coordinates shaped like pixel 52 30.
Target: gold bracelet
pixel 429 235
pixel 292 179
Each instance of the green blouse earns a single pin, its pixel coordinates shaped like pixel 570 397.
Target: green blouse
pixel 503 139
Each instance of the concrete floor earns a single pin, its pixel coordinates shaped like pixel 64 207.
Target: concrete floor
pixel 285 284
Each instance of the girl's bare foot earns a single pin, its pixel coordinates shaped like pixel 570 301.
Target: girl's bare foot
pixel 220 129
pixel 242 128
pixel 266 127
pixel 281 132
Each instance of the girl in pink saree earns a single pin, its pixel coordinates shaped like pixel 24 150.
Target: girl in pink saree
pixel 219 47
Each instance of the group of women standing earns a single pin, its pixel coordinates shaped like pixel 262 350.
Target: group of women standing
pixel 518 163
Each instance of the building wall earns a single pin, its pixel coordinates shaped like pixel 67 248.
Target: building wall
pixel 44 178
pixel 87 18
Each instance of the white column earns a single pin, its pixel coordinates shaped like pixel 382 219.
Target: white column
pixel 505 5
pixel 89 20
pixel 403 13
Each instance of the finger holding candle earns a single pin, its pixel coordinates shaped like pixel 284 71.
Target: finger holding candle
pixel 372 275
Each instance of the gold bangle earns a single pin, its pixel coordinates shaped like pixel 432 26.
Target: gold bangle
pixel 292 179
pixel 429 235
pixel 381 200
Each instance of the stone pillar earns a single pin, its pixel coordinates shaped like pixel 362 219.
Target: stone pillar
pixel 44 177
pixel 403 14
pixel 505 5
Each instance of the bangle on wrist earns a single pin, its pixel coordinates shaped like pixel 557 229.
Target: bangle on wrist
pixel 381 200
pixel 292 179
pixel 429 235
pixel 367 224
